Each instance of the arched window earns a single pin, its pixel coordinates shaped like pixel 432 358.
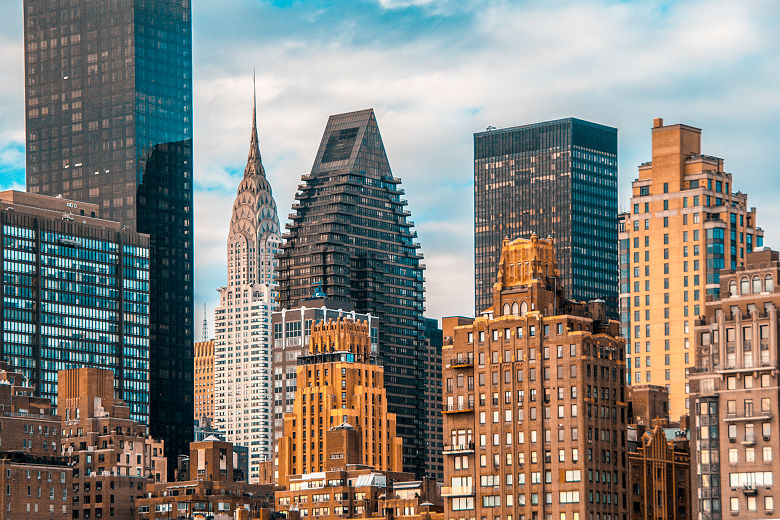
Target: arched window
pixel 506 310
pixel 733 288
pixel 515 309
pixel 769 283
pixel 744 285
pixel 756 284
pixel 523 308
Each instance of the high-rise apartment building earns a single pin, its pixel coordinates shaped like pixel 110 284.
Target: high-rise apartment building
pixel 434 340
pixel 685 225
pixel 204 381
pixel 534 401
pixel 736 428
pixel 559 179
pixel 292 333
pixel 75 293
pixel 340 401
pixel 112 456
pixel 108 98
pixel 350 236
pixel 243 395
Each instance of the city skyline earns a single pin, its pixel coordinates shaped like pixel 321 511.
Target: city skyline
pixel 716 75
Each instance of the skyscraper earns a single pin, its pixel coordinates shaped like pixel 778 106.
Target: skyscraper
pixel 685 225
pixel 534 401
pixel 243 396
pixel 350 234
pixel 75 293
pixel 108 93
pixel 340 386
pixel 557 178
pixel 734 392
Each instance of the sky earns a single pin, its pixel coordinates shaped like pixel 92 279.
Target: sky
pixel 435 72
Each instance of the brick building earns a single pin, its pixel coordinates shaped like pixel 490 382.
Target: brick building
pixel 735 387
pixel 34 480
pixel 648 403
pixel 339 383
pixel 534 401
pixel 659 474
pixel 204 382
pixel 112 456
pixel 211 489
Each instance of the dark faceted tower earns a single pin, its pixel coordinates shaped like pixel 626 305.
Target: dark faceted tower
pixel 350 234
pixel 557 178
pixel 108 91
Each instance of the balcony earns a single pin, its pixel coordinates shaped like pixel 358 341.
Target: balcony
pixel 462 361
pixel 457 491
pixel 459 407
pixel 458 449
pixel 764 415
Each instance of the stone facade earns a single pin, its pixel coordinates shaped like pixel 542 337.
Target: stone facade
pixel 534 401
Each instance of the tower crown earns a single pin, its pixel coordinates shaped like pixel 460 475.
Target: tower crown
pixel 525 260
pixel 341 335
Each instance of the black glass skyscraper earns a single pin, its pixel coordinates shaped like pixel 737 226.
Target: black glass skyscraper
pixel 557 178
pixel 350 234
pixel 108 91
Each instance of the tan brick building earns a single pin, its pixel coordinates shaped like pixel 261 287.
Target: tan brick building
pixel 339 383
pixel 534 401
pixel 210 490
pixel 112 456
pixel 685 224
pixel 735 384
pixel 34 480
pixel 204 381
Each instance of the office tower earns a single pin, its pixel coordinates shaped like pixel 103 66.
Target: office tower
pixel 350 236
pixel 434 444
pixel 340 402
pixel 659 473
pixel 734 393
pixel 292 332
pixel 559 179
pixel 534 401
pixel 684 226
pixel 204 381
pixel 113 457
pixel 76 293
pixel 210 490
pixel 108 94
pixel 243 395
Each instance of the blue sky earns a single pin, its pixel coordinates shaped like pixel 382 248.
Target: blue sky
pixel 436 71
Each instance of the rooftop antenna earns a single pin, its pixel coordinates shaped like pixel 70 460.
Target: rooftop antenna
pixel 205 324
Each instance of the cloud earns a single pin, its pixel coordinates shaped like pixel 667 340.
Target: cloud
pixel 437 71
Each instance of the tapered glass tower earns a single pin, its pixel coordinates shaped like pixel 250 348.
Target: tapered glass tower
pixel 350 234
pixel 108 93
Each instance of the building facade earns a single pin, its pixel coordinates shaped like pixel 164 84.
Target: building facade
pixel 292 333
pixel 243 395
pixel 341 412
pixel 659 473
pixel 349 235
pixel 34 479
pixel 108 98
pixel 534 401
pixel 210 491
pixel 75 293
pixel 434 340
pixel 204 381
pixel 112 456
pixel 685 225
pixel 736 430
pixel 557 178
